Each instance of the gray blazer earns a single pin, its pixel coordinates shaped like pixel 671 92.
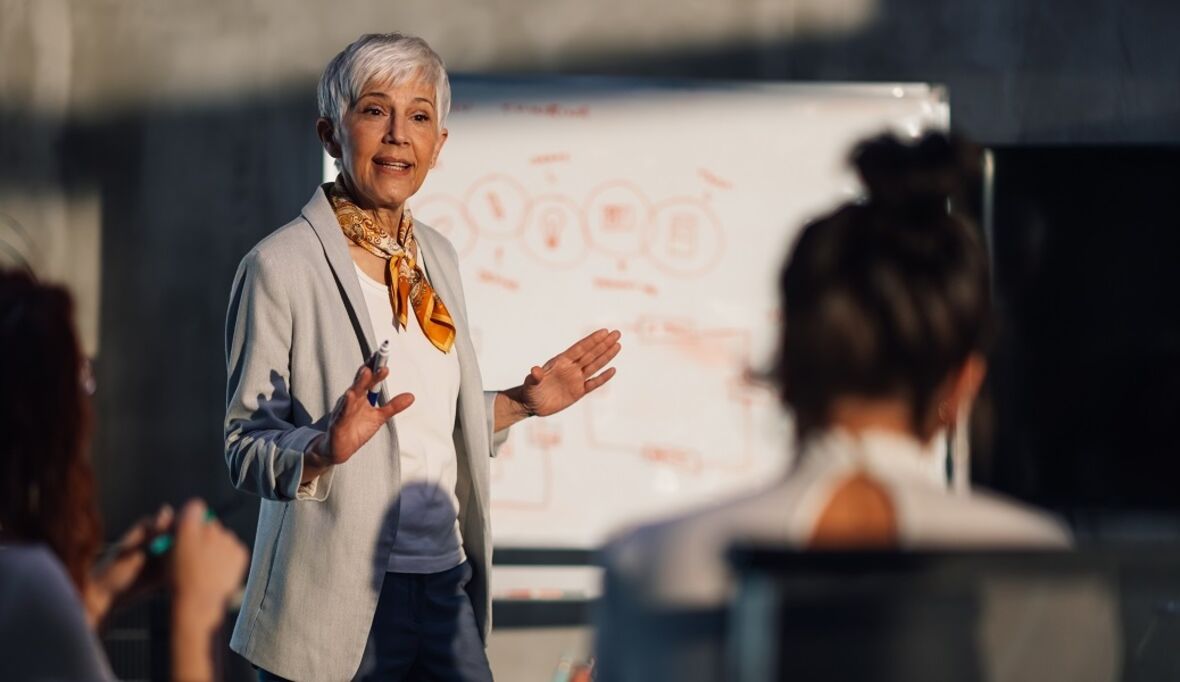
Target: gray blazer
pixel 296 331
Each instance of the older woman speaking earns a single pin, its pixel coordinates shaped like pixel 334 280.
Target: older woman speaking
pixel 373 546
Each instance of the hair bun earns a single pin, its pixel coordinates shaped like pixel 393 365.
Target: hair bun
pixel 916 177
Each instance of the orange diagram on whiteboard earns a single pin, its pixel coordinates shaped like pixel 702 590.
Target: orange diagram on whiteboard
pixel 497 204
pixel 498 280
pixel 681 236
pixel 616 284
pixel 685 237
pixel 616 214
pixel 708 437
pixel 525 470
pixel 449 217
pixel 553 157
pixel 684 459
pixel 554 233
pixel 714 179
pixel 542 439
pixel 719 353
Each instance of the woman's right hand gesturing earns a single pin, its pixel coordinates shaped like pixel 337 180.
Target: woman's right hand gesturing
pixel 352 423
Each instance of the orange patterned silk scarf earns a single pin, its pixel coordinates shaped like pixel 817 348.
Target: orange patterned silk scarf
pixel 408 284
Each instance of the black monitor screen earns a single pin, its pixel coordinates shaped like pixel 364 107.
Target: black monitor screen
pixel 1081 407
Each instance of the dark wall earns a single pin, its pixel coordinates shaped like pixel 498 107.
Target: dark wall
pixel 185 194
pixel 1086 375
pixel 1018 72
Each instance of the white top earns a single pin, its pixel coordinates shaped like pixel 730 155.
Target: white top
pixel 683 560
pixel 1064 630
pixel 427 539
pixel 43 629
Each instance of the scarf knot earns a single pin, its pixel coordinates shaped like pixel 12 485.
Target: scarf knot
pixel 408 286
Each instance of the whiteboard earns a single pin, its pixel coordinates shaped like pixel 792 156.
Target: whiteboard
pixel 665 210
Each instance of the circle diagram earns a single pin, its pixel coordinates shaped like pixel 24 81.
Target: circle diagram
pixel 616 216
pixel 553 232
pixel 447 216
pixel 686 237
pixel 497 205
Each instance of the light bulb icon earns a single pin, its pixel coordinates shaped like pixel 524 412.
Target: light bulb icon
pixel 552 223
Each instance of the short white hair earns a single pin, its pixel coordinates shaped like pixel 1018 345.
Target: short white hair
pixel 384 58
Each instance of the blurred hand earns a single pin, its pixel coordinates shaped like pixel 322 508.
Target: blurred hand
pixel 207 563
pixel 120 574
pixel 206 567
pixel 569 376
pixel 354 421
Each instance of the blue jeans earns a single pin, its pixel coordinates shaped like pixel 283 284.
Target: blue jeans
pixel 424 629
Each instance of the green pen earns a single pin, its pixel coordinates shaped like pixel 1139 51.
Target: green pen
pixel 162 543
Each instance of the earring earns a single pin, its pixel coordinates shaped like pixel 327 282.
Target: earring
pixel 943 413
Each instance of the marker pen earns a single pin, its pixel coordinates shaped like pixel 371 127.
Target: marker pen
pixel 164 541
pixel 375 363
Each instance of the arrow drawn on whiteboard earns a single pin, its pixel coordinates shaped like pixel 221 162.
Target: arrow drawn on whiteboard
pixel 714 179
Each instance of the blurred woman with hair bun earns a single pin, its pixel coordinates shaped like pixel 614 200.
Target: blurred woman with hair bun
pixel 886 320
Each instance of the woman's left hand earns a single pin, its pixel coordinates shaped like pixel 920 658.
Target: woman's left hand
pixel 570 375
pixel 120 575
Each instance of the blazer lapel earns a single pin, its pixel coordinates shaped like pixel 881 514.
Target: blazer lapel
pixel 444 278
pixel 322 218
pixel 440 278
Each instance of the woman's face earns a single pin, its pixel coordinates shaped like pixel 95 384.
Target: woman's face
pixel 387 142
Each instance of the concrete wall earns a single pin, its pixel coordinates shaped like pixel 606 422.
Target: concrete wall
pixel 145 146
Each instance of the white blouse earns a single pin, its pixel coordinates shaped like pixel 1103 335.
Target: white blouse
pixel 1065 631
pixel 683 560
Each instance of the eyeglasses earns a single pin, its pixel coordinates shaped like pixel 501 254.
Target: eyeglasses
pixel 86 377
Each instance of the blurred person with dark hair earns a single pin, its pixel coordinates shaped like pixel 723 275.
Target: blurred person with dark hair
pixel 373 550
pixel 54 589
pixel 886 319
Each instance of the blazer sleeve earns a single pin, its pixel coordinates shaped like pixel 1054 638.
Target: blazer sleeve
pixel 263 448
pixel 496 438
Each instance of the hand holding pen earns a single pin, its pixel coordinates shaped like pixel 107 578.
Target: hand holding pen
pixel 357 416
pixel 122 572
pixel 375 364
pixel 147 557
